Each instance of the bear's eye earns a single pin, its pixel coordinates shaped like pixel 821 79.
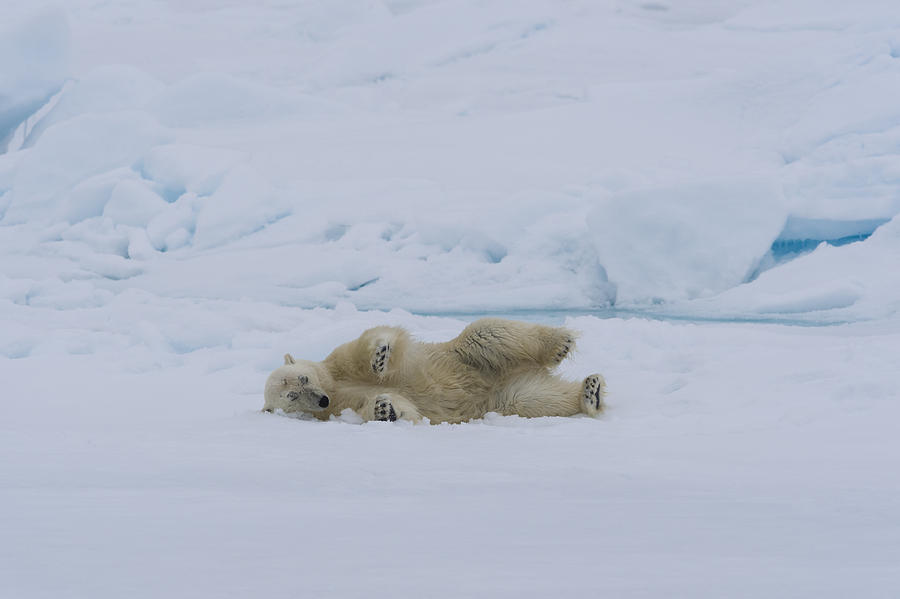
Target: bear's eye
pixel 303 379
pixel 284 381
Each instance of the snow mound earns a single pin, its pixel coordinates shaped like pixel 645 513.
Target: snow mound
pixel 180 168
pixel 132 202
pixel 242 205
pixel 833 283
pixel 34 59
pixel 69 153
pixel 685 242
pixel 104 89
pixel 642 155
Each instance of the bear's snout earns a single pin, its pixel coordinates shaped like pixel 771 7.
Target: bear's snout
pixel 323 403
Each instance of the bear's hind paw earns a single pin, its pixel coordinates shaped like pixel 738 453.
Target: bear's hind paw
pixel 557 343
pixel 564 346
pixel 593 392
pixel 384 409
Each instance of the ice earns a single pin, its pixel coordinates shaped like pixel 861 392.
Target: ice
pixel 71 152
pixel 686 242
pixel 732 445
pixel 835 232
pixel 107 88
pixel 190 190
pixel 133 203
pixel 88 198
pixel 34 53
pixel 803 235
pixel 242 205
pixel 854 281
pixel 171 228
pixel 868 89
pixel 213 98
pixel 178 168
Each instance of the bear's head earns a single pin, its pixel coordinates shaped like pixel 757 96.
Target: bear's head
pixel 298 386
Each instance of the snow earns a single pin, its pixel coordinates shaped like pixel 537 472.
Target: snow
pixel 855 281
pixel 728 451
pixel 654 240
pixel 33 67
pixel 190 190
pixel 382 127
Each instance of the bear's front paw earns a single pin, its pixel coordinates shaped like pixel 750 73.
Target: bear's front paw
pixel 592 396
pixel 380 358
pixel 384 409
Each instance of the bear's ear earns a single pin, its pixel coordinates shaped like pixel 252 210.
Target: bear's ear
pixel 288 359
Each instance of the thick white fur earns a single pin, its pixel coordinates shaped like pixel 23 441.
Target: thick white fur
pixel 494 365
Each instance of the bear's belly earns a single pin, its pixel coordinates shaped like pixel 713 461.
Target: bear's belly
pixel 450 395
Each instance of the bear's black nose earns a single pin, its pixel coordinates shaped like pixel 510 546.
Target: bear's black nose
pixel 323 403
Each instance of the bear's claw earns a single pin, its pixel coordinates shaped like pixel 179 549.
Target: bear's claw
pixel 594 390
pixel 565 344
pixel 380 360
pixel 384 409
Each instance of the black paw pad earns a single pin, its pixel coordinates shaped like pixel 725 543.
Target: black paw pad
pixel 564 349
pixel 594 390
pixel 379 362
pixel 384 410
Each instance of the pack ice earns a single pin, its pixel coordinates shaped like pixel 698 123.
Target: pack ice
pixel 708 192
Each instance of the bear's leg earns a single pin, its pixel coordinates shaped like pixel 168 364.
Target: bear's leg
pixel 388 407
pixel 372 357
pixel 540 394
pixel 533 394
pixel 381 345
pixel 495 344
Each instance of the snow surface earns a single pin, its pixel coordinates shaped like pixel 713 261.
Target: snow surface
pixel 188 190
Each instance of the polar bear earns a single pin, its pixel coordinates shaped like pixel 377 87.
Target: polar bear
pixel 494 365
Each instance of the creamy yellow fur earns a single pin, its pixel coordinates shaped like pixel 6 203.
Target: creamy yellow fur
pixel 494 365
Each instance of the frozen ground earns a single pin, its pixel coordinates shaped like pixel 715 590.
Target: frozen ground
pixel 735 460
pixel 188 190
